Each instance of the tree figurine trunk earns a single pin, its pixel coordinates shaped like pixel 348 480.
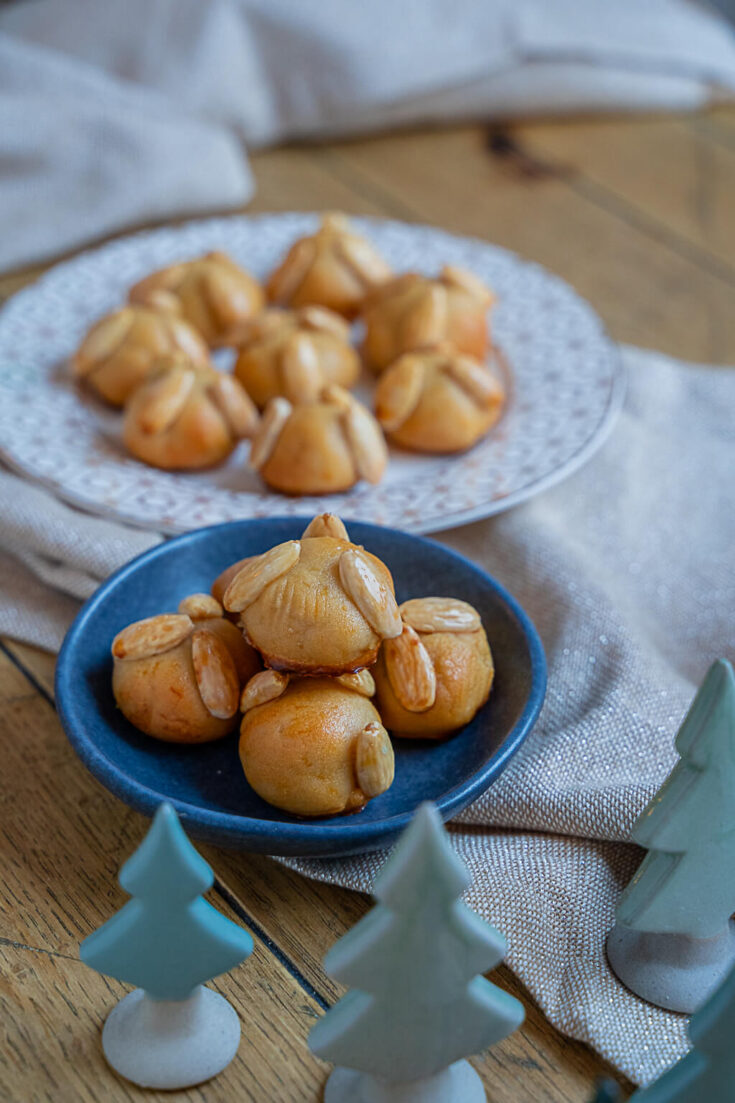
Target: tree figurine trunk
pixel 707 1073
pixel 673 941
pixel 418 1004
pixel 170 1032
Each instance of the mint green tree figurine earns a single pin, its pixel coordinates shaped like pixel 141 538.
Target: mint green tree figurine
pixel 607 1091
pixel 673 941
pixel 170 1032
pixel 418 1005
pixel 707 1073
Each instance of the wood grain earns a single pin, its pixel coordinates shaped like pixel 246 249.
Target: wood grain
pixel 647 292
pixel 637 215
pixel 62 841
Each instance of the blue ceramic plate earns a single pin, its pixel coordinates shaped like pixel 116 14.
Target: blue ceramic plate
pixel 206 783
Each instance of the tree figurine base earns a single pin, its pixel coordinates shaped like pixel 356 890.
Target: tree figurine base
pixel 457 1084
pixel 671 971
pixel 171 1044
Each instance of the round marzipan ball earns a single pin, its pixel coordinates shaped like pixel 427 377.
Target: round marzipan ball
pixel 464 671
pixel 177 694
pixel 300 752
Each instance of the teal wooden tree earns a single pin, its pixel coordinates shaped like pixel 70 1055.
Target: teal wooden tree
pixel 607 1091
pixel 684 884
pixel 707 1073
pixel 168 941
pixel 684 889
pixel 417 1004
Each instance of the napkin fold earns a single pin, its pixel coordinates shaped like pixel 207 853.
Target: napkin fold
pixel 627 570
pixel 119 114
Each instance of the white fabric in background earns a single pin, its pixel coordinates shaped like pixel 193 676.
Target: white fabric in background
pixel 83 154
pixel 114 114
pixel 627 571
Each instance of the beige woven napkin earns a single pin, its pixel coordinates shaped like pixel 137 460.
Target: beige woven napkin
pixel 627 570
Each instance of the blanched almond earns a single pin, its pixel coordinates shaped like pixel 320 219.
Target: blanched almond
pixel 200 607
pixel 159 298
pixel 336 396
pixel 226 292
pixel 102 340
pixel 287 279
pixel 371 596
pixel 426 321
pixel 362 260
pixel 166 397
pixel 410 671
pixel 262 326
pixel 361 682
pixel 263 687
pixel 259 572
pixel 334 222
pixel 302 376
pixel 366 441
pixel 326 524
pixel 468 281
pixel 319 318
pixel 440 614
pixel 152 636
pixel 398 391
pixel 187 339
pixel 235 405
pixel 374 760
pixel 474 379
pixel 215 673
pixel 277 413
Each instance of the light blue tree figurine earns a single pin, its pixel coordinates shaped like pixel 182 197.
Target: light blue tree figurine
pixel 607 1091
pixel 170 1032
pixel 674 941
pixel 418 1005
pixel 707 1073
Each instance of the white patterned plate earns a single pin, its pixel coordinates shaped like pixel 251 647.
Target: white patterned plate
pixel 566 387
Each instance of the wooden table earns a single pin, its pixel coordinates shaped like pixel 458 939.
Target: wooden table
pixel 637 215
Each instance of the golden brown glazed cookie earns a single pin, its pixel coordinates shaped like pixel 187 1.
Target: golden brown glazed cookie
pixel 433 678
pixel 123 348
pixel 319 605
pixel 335 267
pixel 412 311
pixel 212 293
pixel 178 676
pixel 437 400
pixel 322 447
pixel 313 746
pixel 294 353
pixel 183 419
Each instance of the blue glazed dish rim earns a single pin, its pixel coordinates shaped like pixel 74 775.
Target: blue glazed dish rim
pixel 235 830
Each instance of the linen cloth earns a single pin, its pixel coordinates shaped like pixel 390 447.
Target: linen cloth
pixel 117 114
pixel 627 571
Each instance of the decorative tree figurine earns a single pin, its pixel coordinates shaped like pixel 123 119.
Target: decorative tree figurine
pixel 170 1032
pixel 673 941
pixel 607 1091
pixel 417 1006
pixel 707 1073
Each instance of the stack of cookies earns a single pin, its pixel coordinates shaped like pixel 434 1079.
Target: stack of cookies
pixel 307 644
pixel 425 338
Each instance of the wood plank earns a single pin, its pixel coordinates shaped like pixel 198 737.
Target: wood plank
pixel 301 917
pixel 62 841
pixel 53 1008
pixel 665 175
pixel 646 292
